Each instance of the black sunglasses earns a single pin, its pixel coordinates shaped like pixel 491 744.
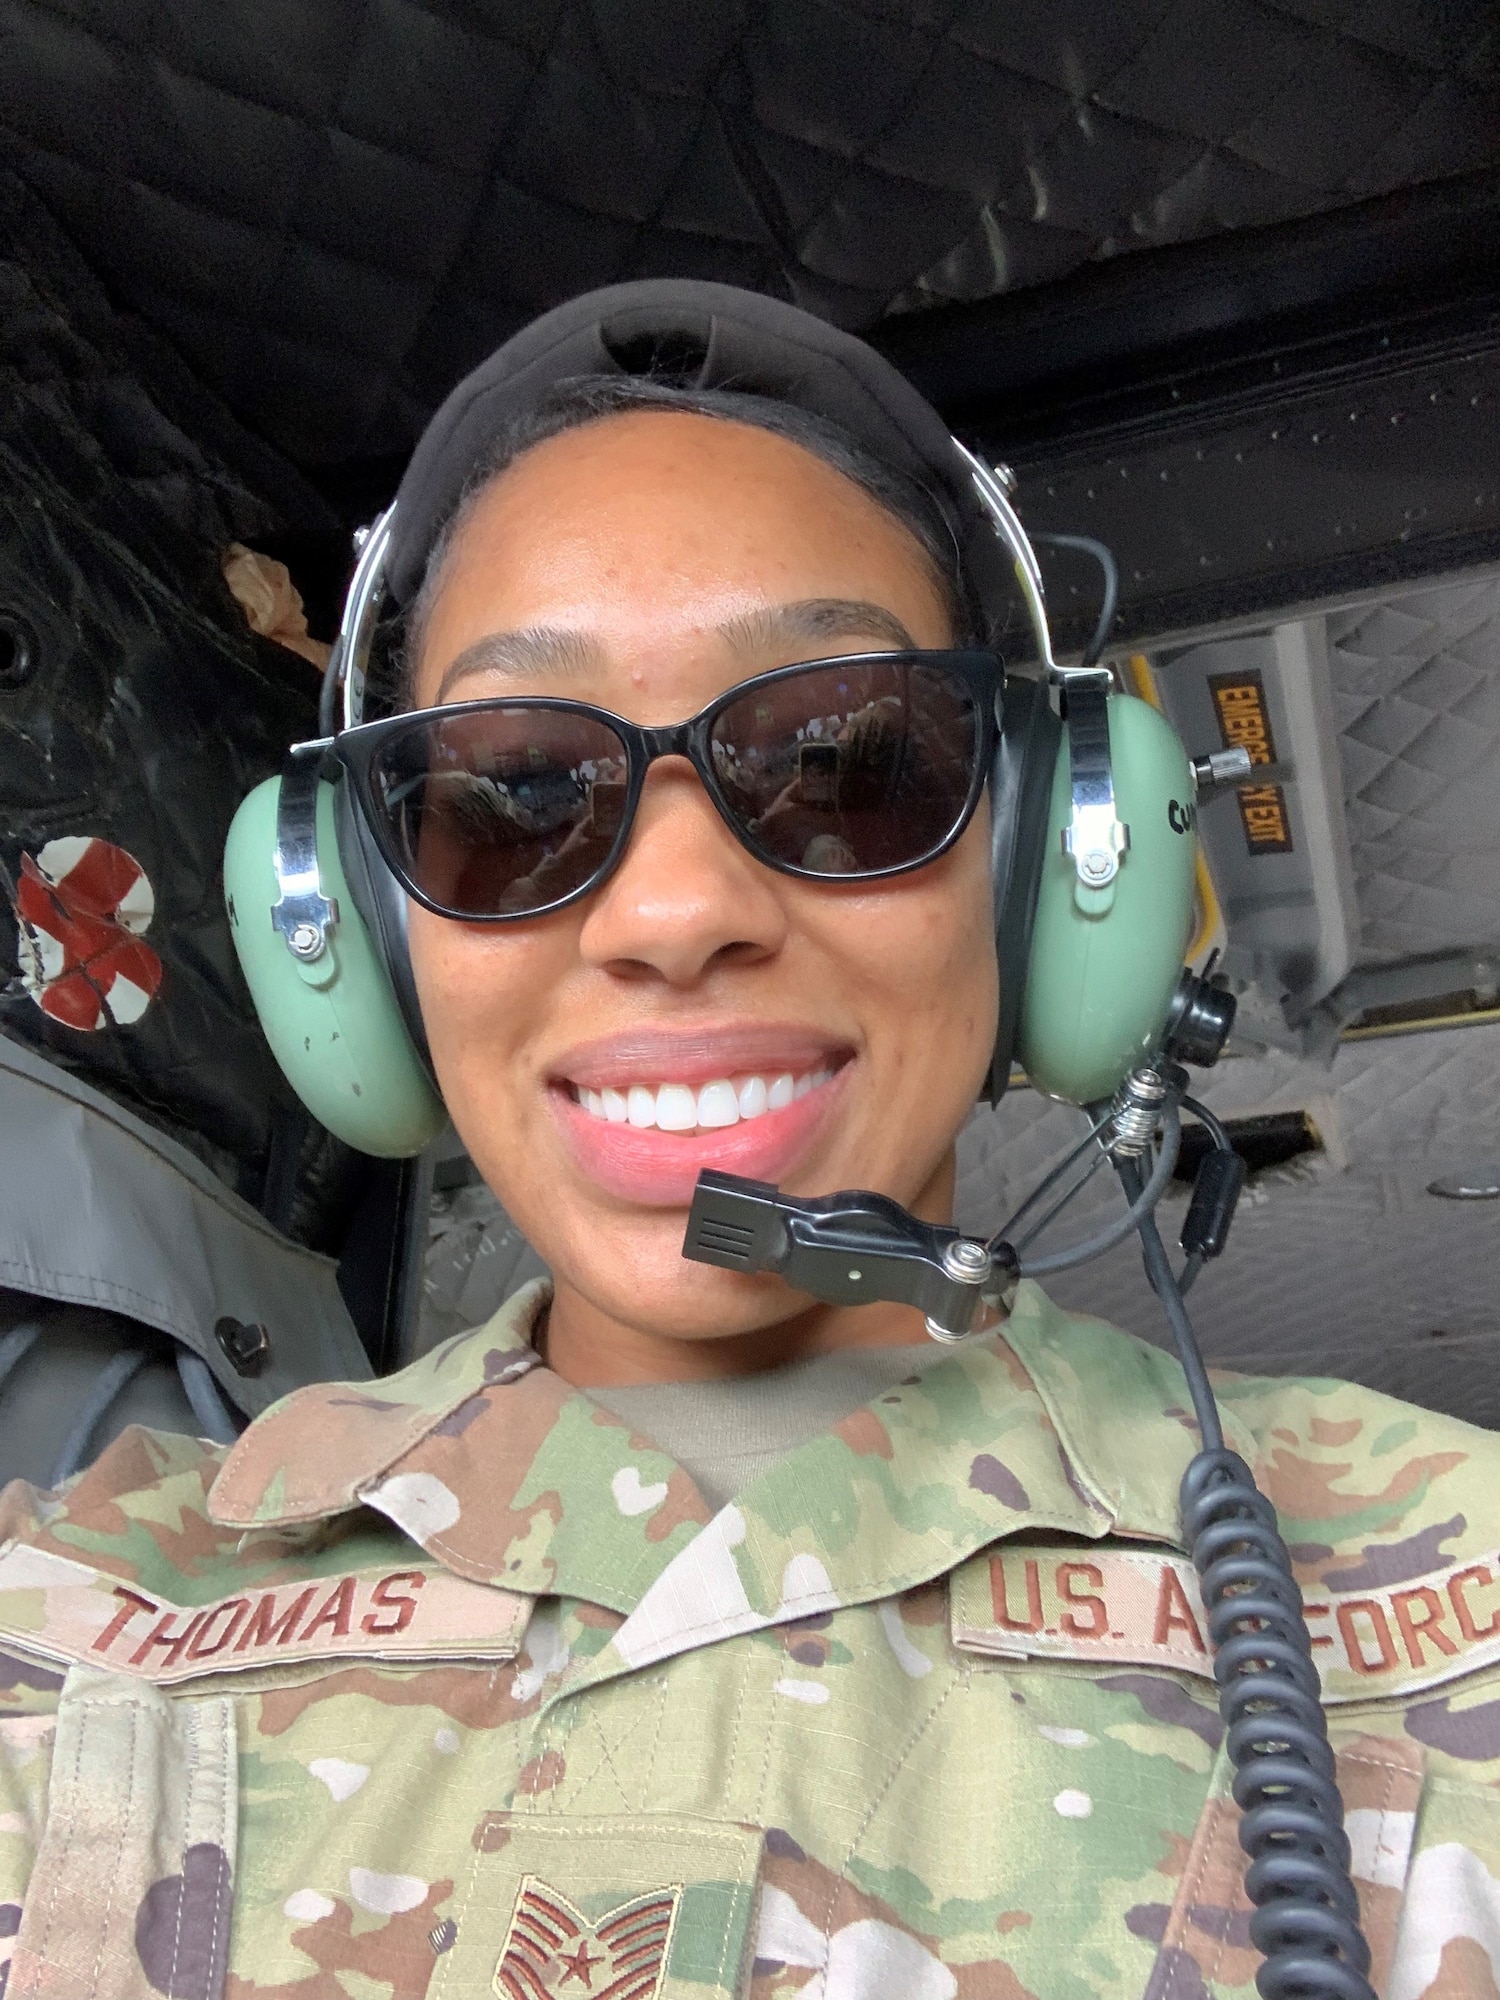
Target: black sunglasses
pixel 851 768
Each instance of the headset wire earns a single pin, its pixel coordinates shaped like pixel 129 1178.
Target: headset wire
pixel 1306 1921
pixel 1110 603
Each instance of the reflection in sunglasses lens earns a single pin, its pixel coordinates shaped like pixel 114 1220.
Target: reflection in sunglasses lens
pixel 503 810
pixel 850 768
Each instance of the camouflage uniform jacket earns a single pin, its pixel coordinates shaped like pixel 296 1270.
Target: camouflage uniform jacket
pixel 449 1686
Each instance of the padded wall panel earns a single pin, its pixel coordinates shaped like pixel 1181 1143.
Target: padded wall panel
pixel 1416 690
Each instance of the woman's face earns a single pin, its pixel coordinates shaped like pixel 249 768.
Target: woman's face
pixel 646 562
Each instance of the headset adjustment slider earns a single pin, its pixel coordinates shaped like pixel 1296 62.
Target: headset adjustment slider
pixel 1095 835
pixel 302 913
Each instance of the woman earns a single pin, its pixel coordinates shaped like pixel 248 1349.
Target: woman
pixel 671 1635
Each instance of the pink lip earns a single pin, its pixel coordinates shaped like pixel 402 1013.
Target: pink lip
pixel 660 1169
pixel 697 1055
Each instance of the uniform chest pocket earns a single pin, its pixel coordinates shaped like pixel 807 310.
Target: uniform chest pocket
pixel 641 1906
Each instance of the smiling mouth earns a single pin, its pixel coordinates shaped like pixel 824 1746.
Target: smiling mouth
pixel 693 1109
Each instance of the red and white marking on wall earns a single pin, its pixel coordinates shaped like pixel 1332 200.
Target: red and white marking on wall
pixel 84 906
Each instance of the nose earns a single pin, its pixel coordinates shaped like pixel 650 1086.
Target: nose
pixel 686 898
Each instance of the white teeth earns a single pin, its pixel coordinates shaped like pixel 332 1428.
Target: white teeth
pixel 676 1108
pixel 718 1105
pixel 754 1096
pixel 712 1107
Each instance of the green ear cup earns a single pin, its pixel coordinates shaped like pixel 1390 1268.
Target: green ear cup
pixel 333 1025
pixel 1105 962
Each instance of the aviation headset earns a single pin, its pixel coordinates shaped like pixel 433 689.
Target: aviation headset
pixel 1090 799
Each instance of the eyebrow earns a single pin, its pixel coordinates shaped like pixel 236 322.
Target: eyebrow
pixel 554 650
pixel 813 620
pixel 539 649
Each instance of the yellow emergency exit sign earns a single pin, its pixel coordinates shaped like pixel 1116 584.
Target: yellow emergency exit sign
pixel 1244 724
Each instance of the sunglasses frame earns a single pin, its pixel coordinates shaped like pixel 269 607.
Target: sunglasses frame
pixel 357 749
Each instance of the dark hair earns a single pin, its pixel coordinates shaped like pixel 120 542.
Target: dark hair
pixel 589 398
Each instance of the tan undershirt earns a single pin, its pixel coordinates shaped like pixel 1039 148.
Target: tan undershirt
pixel 727 1433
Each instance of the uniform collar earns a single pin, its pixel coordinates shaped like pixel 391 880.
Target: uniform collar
pixel 507 1476
pixel 482 1456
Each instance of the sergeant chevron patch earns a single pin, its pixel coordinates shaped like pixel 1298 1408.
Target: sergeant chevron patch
pixel 552 1951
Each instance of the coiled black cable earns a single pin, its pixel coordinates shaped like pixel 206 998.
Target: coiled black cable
pixel 1306 1921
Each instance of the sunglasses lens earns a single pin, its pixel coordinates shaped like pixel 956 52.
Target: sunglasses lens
pixel 848 769
pixel 502 811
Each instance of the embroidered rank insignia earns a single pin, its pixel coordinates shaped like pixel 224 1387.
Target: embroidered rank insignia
pixel 553 1952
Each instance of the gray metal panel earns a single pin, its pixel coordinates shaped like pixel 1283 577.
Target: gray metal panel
pixel 1360 463
pixel 1290 916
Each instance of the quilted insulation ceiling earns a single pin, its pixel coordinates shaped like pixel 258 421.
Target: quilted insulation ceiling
pixel 333 210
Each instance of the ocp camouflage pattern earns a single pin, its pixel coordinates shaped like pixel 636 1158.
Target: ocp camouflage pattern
pixel 450 1685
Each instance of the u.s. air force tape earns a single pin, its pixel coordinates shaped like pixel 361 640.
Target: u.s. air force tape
pixel 57 1609
pixel 1141 1608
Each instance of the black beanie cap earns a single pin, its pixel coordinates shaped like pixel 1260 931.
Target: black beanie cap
pixel 704 336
